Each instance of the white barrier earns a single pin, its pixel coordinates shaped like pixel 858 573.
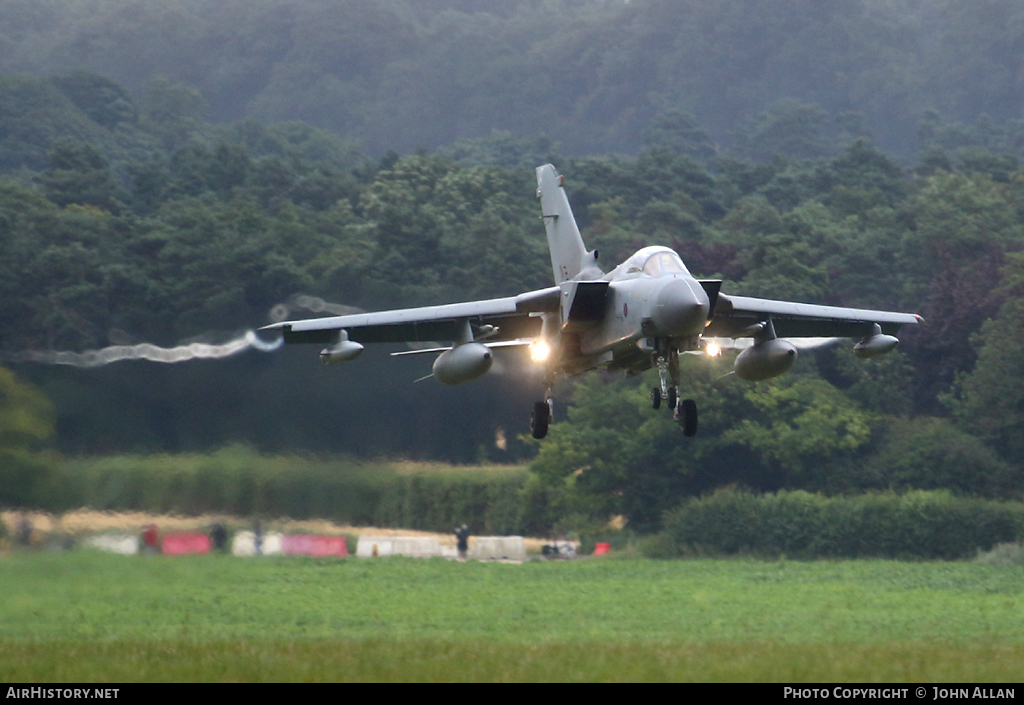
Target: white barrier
pixel 124 544
pixel 417 546
pixel 410 546
pixel 483 548
pixel 498 548
pixel 244 544
pixel 370 546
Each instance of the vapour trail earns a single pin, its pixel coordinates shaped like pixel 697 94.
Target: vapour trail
pixel 282 311
pixel 181 353
pixel 148 351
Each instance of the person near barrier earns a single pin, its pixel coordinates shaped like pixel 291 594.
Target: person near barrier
pixel 462 541
pixel 219 537
pixel 24 535
pixel 150 538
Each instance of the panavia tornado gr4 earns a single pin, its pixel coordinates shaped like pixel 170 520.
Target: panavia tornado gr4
pixel 642 314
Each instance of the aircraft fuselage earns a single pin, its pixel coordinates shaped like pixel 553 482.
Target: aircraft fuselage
pixel 610 320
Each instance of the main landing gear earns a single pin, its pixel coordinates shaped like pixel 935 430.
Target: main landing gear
pixel 684 411
pixel 686 416
pixel 540 419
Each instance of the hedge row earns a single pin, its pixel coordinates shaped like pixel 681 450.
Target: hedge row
pixel 437 502
pixel 930 525
pixel 240 482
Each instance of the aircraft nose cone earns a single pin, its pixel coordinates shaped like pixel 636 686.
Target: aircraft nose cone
pixel 679 310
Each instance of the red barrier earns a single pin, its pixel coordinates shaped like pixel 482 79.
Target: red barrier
pixel 307 545
pixel 181 542
pixel 601 549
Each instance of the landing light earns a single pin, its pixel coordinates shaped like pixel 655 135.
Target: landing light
pixel 713 350
pixel 539 351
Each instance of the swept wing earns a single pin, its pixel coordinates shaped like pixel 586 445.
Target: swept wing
pixel 509 315
pixel 734 316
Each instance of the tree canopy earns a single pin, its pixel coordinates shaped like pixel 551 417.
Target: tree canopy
pixel 597 76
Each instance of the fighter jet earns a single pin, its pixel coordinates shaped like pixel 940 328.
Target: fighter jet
pixel 644 313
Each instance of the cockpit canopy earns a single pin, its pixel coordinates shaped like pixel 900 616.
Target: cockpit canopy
pixel 664 263
pixel 655 261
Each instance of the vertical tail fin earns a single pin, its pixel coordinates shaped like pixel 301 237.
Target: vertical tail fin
pixel 569 256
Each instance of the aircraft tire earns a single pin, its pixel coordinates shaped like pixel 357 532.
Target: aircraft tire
pixel 688 417
pixel 540 419
pixel 655 398
pixel 673 398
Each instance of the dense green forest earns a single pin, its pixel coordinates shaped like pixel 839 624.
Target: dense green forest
pixel 212 183
pixel 591 74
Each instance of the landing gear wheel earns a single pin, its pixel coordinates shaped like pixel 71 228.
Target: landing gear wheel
pixel 656 398
pixel 539 419
pixel 688 417
pixel 673 398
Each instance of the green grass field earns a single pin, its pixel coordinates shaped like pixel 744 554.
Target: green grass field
pixel 94 617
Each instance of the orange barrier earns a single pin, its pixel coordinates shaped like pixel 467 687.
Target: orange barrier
pixel 182 542
pixel 601 549
pixel 307 545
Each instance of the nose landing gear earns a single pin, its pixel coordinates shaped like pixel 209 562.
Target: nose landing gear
pixel 685 411
pixel 671 397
